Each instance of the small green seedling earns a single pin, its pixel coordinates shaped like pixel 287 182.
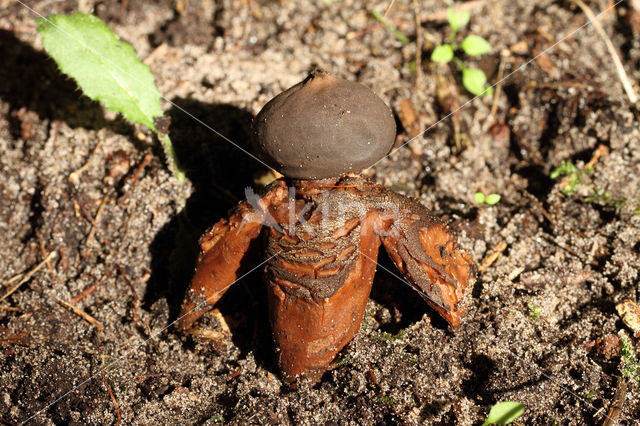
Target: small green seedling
pixel 473 79
pixel 629 363
pixel 534 311
pixel 491 199
pixel 107 70
pixel 576 178
pixel 504 413
pixel 344 360
pixel 605 197
pixel 388 337
pixel 385 400
pixel 566 168
pixel 587 396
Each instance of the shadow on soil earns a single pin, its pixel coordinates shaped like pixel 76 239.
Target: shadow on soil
pixel 31 79
pixel 219 173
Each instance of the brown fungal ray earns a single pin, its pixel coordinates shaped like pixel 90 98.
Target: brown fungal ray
pixel 308 333
pixel 323 127
pixel 427 254
pixel 222 248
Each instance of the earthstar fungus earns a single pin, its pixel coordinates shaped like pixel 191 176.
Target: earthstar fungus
pixel 323 225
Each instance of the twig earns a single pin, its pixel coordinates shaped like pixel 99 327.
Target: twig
pixel 495 254
pixel 136 301
pixel 94 221
pixel 618 403
pixel 628 88
pixel 43 251
pixel 90 289
pixel 27 276
pixel 539 206
pixel 416 12
pixel 16 277
pixel 388 9
pixel 134 177
pixel 498 91
pixel 555 84
pixel 601 151
pixel 74 177
pixel 113 398
pixel 88 318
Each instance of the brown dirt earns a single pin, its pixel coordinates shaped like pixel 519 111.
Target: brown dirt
pixel 572 257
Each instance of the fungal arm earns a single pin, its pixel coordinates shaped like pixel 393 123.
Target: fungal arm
pixel 222 249
pixel 427 254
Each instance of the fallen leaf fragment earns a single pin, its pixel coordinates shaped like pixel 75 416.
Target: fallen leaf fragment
pixel 630 314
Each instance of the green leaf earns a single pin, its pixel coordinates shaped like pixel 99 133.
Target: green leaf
pixel 474 80
pixel 504 412
pixel 105 68
pixel 443 53
pixel 479 197
pixel 474 45
pixel 457 20
pixel 493 199
pixel 565 168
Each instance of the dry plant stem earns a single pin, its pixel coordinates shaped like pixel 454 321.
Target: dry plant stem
pixel 74 177
pixel 498 91
pixel 388 9
pixel 43 251
pixel 136 301
pixel 88 318
pixel 618 403
pixel 416 11
pixel 555 84
pixel 94 221
pixel 111 395
pixel 16 277
pixel 538 205
pixel 495 254
pixel 134 178
pixel 27 276
pixel 628 88
pixel 90 289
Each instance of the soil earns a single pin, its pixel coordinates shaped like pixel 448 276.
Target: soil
pixel 91 215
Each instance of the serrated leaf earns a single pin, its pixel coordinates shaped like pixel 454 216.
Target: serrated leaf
pixel 105 68
pixel 457 20
pixel 504 412
pixel 474 45
pixel 442 53
pixel 474 80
